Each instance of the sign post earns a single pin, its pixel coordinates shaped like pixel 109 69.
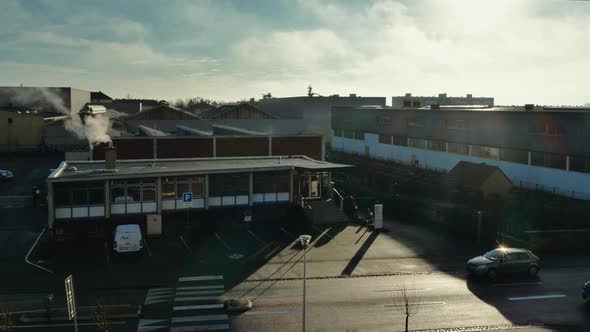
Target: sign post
pixel 187 198
pixel 71 301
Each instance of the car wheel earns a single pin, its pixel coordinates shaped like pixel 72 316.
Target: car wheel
pixel 533 270
pixel 492 274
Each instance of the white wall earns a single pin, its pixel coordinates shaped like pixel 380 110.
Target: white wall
pixel 563 182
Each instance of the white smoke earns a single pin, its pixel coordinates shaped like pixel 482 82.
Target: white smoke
pixel 95 128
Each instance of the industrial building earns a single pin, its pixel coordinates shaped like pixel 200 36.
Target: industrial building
pixel 409 101
pixel 535 147
pixel 20 131
pixel 106 192
pixel 59 100
pixel 314 112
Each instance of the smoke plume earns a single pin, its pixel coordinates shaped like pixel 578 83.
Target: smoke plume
pixel 94 128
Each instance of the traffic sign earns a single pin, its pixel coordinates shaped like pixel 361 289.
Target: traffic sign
pixel 70 298
pixel 187 198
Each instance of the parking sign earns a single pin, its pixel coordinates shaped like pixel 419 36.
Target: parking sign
pixel 187 198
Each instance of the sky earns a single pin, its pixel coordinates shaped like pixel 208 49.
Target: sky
pixel 518 51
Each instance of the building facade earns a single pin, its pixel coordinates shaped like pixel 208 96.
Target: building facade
pixel 536 147
pixel 409 101
pixel 20 132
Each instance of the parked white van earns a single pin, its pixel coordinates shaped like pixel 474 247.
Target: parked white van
pixel 128 238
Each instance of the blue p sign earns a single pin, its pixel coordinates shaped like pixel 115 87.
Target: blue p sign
pixel 187 197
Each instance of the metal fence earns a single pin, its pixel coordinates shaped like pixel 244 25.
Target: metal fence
pixel 555 190
pixel 7 202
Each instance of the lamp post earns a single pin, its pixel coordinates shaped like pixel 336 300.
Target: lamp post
pixel 304 239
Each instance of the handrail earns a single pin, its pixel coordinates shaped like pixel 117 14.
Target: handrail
pixel 339 196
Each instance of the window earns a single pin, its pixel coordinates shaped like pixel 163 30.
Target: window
pixel 579 164
pixel 181 188
pixel 198 187
pixel 415 123
pixel 384 139
pixel 416 103
pixel 552 160
pixel 487 152
pixel 168 188
pixel 148 192
pixel 359 135
pixel 118 194
pixel 436 145
pixel 459 148
pixel 514 156
pixel 337 132
pixel 417 143
pixel 133 194
pixel 96 196
pixel 347 133
pixel 407 103
pixel 400 140
pixel 456 124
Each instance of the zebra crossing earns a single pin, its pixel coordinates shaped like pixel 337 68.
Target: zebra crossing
pixel 195 306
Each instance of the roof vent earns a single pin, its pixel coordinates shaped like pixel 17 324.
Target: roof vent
pixel 529 107
pixel 442 95
pixel 408 94
pixel 72 168
pixel 435 106
pixel 469 95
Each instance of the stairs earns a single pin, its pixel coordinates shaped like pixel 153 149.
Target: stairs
pixel 325 212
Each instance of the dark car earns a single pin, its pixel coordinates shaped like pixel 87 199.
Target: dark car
pixel 586 291
pixel 504 261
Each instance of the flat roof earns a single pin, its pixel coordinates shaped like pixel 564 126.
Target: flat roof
pixel 95 170
pixel 477 108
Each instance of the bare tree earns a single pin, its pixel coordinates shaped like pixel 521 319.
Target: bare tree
pixel 7 320
pixel 406 301
pixel 103 321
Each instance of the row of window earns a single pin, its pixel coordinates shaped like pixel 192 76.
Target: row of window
pixel 543 159
pixel 544 127
pixel 339 132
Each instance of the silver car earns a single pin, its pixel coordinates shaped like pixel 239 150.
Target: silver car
pixel 504 261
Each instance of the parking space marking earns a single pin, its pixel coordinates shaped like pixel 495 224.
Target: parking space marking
pixel 222 242
pixel 184 243
pixel 31 250
pixel 291 235
pixel 420 304
pixel 320 230
pixel 257 238
pixel 45 326
pixel 200 278
pixel 198 307
pixel 199 287
pixel 147 247
pixel 537 297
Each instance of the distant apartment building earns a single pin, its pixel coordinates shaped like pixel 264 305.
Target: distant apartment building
pixel 315 111
pixel 536 147
pixel 409 101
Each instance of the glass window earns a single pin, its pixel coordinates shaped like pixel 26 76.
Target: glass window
pixel 485 152
pixel 359 135
pixel 198 187
pixel 417 143
pixel 133 194
pixel 579 164
pixel 400 140
pixel 62 194
pixel 514 156
pixel 337 132
pixel 118 194
pixel 96 196
pixel 458 148
pixel 149 181
pixel 347 133
pixel 181 188
pixel 384 139
pixel 148 192
pixel 555 160
pixel 436 145
pixel 168 190
pixel 79 196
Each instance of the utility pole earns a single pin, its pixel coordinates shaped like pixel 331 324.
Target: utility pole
pixel 305 239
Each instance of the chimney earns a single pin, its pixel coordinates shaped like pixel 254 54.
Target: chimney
pixel 110 157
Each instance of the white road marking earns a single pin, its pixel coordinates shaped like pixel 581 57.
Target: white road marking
pixel 199 306
pixel 185 293
pixel 214 327
pixel 62 324
pixel 537 297
pixel 147 247
pixel 31 250
pixel 421 303
pixel 145 325
pixel 518 283
pixel 143 322
pixel 257 238
pixel 204 318
pixel 184 243
pixel 199 287
pixel 200 278
pixel 195 298
pixel 319 229
pixel 275 312
pixel 222 242
pixel 157 295
pixel 399 290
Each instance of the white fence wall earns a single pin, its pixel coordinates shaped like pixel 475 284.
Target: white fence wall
pixel 549 179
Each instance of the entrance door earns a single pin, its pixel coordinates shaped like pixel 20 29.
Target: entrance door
pixel 311 186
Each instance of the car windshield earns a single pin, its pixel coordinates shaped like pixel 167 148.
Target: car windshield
pixel 494 254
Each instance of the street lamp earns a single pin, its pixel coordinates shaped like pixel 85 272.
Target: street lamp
pixel 304 239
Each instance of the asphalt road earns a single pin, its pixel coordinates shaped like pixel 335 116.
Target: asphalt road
pixel 444 301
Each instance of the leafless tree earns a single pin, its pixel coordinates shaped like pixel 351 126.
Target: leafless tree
pixel 406 301
pixel 103 321
pixel 7 320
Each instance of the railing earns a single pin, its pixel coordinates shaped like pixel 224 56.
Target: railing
pixel 554 190
pixel 337 196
